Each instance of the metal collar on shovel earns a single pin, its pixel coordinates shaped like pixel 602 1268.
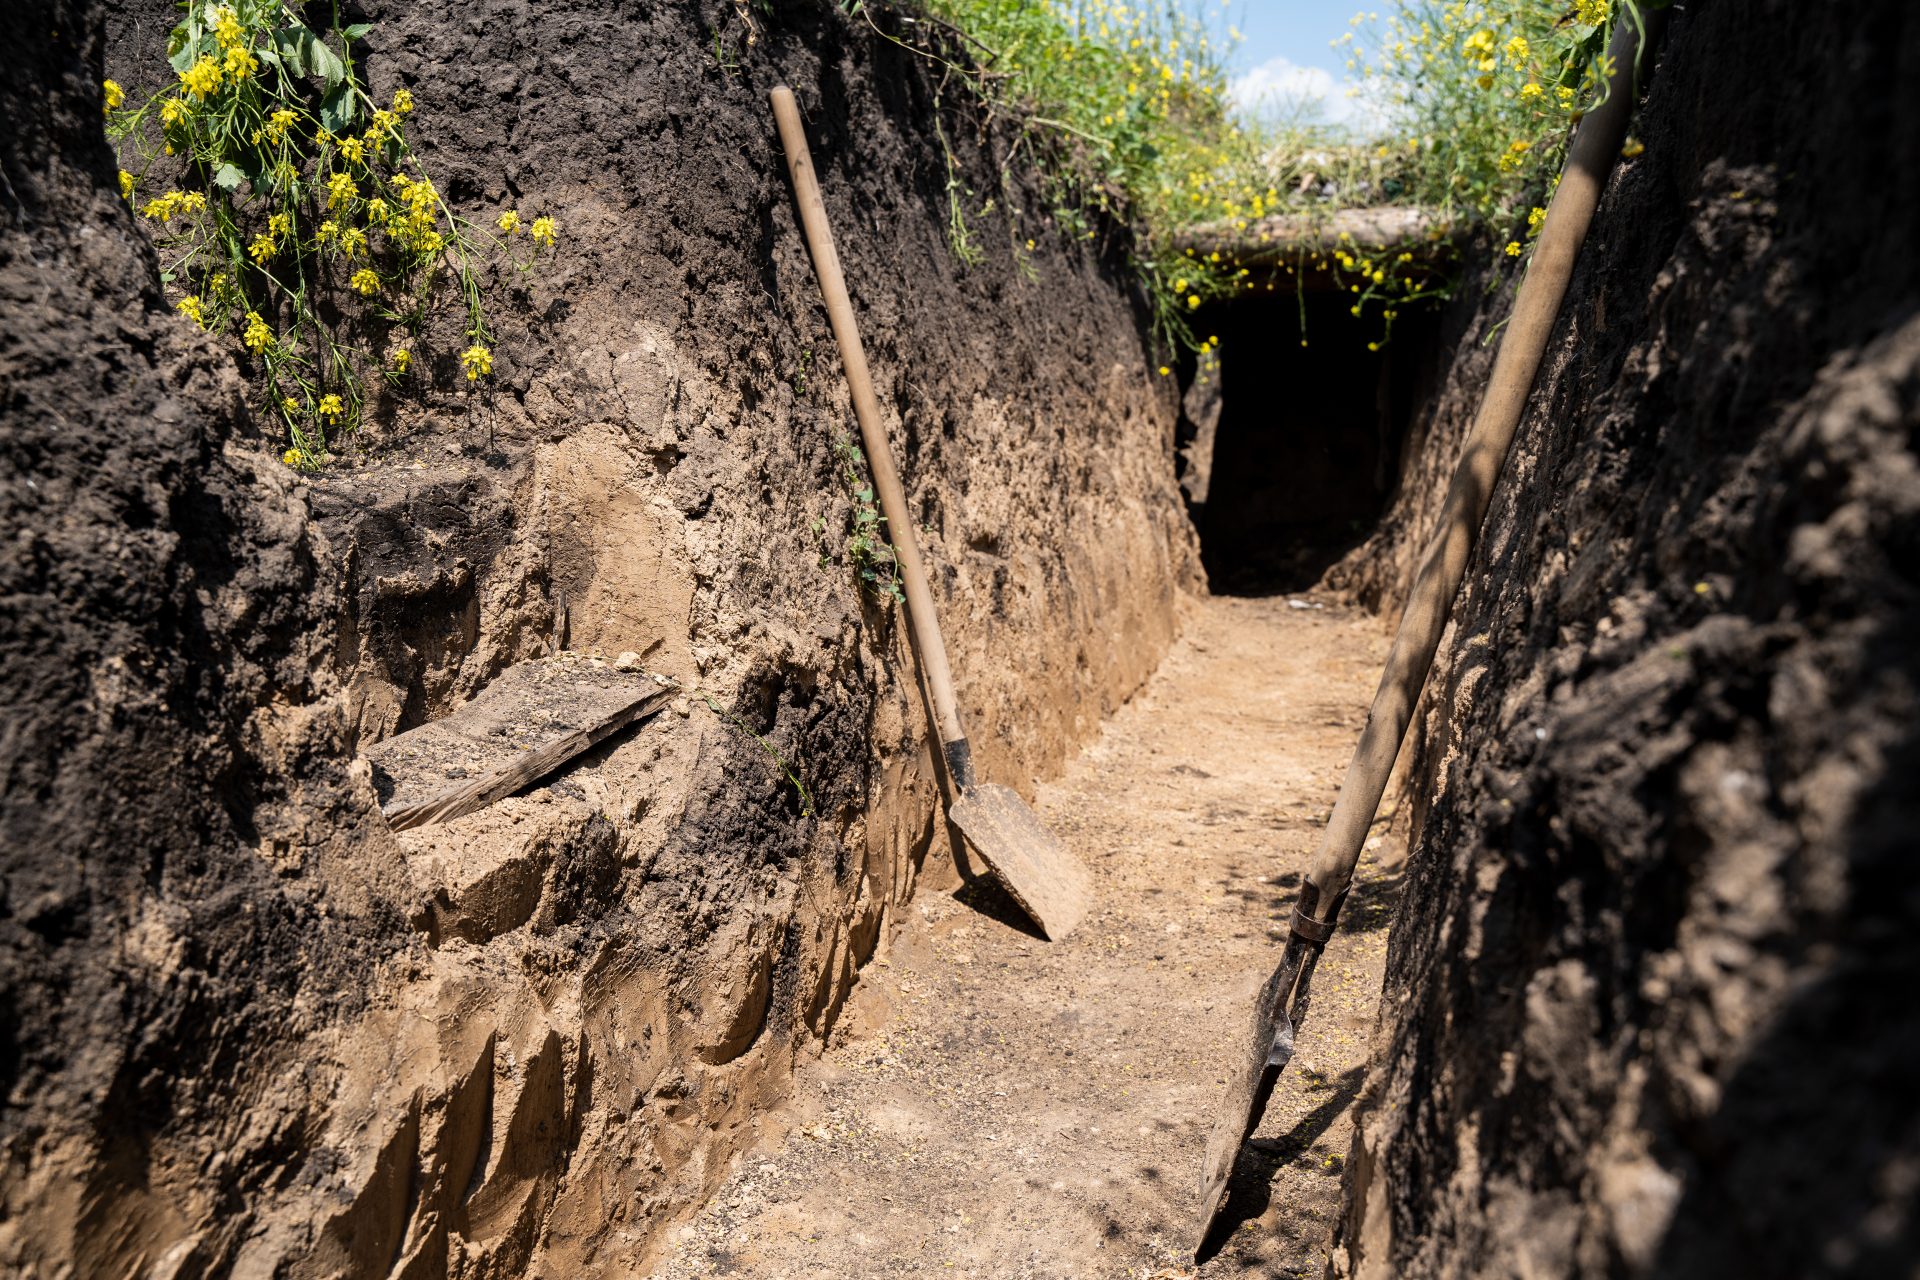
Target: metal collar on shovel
pixel 1048 882
pixel 1283 1002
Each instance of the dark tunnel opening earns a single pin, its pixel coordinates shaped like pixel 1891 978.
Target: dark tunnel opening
pixel 1290 450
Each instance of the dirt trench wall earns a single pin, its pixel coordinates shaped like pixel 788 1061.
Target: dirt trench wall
pixel 254 1033
pixel 1649 1007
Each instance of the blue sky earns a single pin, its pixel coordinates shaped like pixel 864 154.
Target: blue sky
pixel 1284 62
pixel 1297 30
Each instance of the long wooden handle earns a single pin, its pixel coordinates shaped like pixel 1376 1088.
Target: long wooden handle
pixel 893 501
pixel 1522 347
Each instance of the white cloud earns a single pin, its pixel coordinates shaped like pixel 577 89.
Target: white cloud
pixel 1281 88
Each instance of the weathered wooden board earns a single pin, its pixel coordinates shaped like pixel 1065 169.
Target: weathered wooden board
pixel 523 726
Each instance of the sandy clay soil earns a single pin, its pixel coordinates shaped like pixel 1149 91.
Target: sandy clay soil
pixel 998 1106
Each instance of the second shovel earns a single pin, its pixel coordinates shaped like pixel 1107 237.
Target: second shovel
pixel 1049 883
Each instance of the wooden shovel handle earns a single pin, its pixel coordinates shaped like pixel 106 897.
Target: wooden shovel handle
pixel 893 501
pixel 1522 347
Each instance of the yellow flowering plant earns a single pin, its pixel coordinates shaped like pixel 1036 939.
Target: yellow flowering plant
pixel 1127 105
pixel 1123 104
pixel 299 217
pixel 1485 93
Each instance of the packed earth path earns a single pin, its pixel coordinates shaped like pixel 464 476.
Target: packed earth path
pixel 995 1105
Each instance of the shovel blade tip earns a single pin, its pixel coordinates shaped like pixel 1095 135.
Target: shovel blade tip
pixel 1050 884
pixel 1268 1049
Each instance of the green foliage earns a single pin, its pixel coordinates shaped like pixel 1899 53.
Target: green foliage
pixel 1126 104
pixel 866 547
pixel 302 222
pixel 1481 96
pixel 1127 107
pixel 1482 93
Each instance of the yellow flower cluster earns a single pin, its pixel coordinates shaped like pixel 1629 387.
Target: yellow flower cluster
pixel 278 123
pixel 261 249
pixel 191 308
pixel 402 360
pixel 477 361
pixel 126 185
pixel 174 202
pixel 113 94
pixel 341 191
pixel 352 241
pixel 330 408
pixel 543 229
pixel 365 282
pixel 227 31
pixel 418 228
pixel 258 335
pixel 202 79
pixel 240 64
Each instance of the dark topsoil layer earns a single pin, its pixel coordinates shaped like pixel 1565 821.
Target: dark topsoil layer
pixel 158 594
pixel 1653 1003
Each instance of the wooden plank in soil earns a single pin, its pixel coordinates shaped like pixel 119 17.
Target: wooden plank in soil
pixel 526 724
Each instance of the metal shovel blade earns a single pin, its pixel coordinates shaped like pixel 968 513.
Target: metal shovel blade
pixel 1269 1047
pixel 1049 883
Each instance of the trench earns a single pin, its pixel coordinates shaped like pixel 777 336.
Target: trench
pixel 1291 445
pixel 255 1033
pixel 992 1104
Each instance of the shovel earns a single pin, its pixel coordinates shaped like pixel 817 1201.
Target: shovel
pixel 1283 1001
pixel 1049 883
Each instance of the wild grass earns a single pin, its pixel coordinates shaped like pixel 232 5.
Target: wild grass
pixel 1127 107
pixel 1483 94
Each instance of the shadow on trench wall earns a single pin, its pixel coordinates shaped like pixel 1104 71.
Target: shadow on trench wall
pixel 1290 459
